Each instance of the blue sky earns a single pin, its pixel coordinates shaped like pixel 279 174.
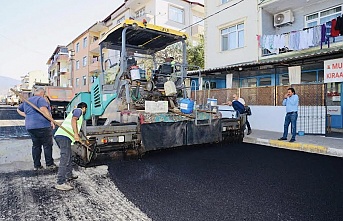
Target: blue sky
pixel 30 30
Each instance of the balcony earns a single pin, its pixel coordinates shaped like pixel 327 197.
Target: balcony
pixel 299 41
pixel 94 47
pixel 94 66
pixel 298 27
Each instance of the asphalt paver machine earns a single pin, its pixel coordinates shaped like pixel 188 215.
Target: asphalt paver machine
pixel 137 105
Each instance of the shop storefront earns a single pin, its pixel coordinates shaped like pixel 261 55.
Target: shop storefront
pixel 333 78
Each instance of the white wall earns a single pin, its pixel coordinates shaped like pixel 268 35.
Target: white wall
pixel 245 11
pixel 271 118
pixel 37 76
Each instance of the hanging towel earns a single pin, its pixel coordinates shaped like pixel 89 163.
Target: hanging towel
pixel 294 74
pixel 334 31
pixel 323 36
pixel 339 24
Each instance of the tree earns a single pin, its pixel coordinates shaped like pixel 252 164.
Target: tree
pixel 195 53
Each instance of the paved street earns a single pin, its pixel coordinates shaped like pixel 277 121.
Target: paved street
pixel 208 182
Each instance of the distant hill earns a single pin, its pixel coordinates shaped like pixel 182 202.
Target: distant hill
pixel 6 83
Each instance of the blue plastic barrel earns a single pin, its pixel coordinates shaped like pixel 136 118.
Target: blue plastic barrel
pixel 186 105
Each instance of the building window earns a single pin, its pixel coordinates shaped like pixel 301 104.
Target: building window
pixel 321 17
pixel 84 61
pixel 84 80
pixel 77 82
pixel 283 79
pixel 63 51
pixel 78 47
pixel 224 1
pixel 77 65
pixel 265 81
pixel 232 37
pixel 176 14
pixel 120 20
pixel 249 82
pixel 140 12
pixel 309 77
pixel 85 42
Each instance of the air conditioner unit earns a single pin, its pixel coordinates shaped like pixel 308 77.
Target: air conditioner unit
pixel 283 18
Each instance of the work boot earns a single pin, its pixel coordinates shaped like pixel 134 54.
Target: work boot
pixel 73 177
pixel 249 132
pixel 52 167
pixel 64 187
pixel 38 168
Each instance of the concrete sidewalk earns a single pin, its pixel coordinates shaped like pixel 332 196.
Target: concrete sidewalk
pixel 308 143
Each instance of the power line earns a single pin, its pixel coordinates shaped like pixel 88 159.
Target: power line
pixel 212 15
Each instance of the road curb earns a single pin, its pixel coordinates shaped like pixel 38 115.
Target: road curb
pixel 305 147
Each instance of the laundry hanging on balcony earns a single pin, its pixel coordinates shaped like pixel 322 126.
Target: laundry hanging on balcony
pixel 338 25
pixel 292 41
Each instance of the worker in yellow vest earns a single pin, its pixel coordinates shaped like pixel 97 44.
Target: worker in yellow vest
pixel 64 140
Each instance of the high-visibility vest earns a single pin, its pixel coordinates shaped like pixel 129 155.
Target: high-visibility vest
pixel 67 125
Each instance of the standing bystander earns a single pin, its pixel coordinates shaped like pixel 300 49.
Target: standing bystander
pixel 73 124
pixel 291 101
pixel 39 128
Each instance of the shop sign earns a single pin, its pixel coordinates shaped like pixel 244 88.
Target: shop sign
pixel 333 110
pixel 333 70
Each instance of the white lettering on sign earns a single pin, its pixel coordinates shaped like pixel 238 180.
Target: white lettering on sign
pixel 333 110
pixel 333 70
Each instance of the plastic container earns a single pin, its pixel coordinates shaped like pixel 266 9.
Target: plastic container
pixel 186 105
pixel 169 88
pixel 212 101
pixel 135 75
pixel 301 133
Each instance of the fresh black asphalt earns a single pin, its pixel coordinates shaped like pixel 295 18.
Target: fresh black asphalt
pixel 227 182
pixel 233 182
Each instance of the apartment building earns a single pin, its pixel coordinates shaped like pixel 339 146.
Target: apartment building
pixel 32 78
pixel 257 44
pixel 58 67
pixel 175 14
pixel 84 59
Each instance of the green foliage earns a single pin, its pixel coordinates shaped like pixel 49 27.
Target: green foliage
pixel 195 53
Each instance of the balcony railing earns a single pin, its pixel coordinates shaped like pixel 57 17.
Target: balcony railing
pixel 318 37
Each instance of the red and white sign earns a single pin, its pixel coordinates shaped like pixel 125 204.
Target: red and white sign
pixel 333 70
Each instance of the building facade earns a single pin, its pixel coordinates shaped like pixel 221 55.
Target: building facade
pixel 58 67
pixel 181 15
pixel 253 44
pixel 33 77
pixel 84 51
pixel 84 58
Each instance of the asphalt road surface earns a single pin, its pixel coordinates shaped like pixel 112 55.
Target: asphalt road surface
pixel 208 182
pixel 237 182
